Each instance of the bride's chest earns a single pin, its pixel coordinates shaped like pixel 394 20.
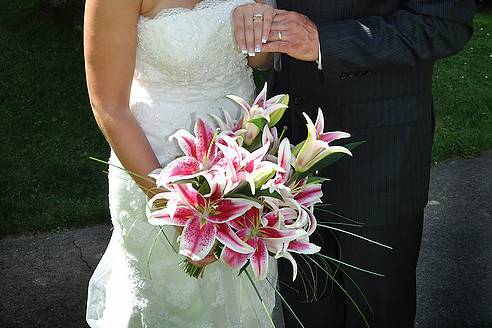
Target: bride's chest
pixel 189 42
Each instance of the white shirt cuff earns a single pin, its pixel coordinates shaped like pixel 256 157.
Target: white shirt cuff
pixel 320 65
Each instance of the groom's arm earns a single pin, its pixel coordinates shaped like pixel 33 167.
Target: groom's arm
pixel 426 30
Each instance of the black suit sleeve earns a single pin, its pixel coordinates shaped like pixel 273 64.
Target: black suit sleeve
pixel 424 30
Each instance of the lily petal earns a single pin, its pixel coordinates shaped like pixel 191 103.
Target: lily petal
pixel 222 125
pixel 261 98
pixel 205 134
pixel 281 235
pixel 312 222
pixel 234 259
pixel 309 195
pixel 289 257
pixel 332 136
pixel 190 195
pixel 252 160
pixel 259 260
pixel 180 218
pixel 186 142
pixel 320 122
pixel 303 247
pixel 180 168
pixel 271 219
pixel 267 136
pixel 243 103
pixel 245 222
pixel 228 209
pixel 230 240
pixel 197 239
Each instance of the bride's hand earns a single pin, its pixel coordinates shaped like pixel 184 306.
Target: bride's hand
pixel 252 23
pixel 209 259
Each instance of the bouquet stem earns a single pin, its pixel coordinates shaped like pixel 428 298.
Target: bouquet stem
pixel 191 269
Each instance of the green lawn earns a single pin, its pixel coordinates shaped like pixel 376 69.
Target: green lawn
pixel 463 97
pixel 48 133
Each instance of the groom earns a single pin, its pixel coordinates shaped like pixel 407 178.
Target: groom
pixel 368 65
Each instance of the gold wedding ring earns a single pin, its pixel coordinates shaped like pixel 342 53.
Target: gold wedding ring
pixel 280 35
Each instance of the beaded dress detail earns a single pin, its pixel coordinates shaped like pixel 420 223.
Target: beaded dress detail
pixel 186 63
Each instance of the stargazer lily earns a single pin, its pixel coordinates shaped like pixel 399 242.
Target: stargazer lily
pixel 307 194
pixel 271 111
pixel 270 135
pixel 316 147
pixel 229 127
pixel 204 220
pixel 284 161
pixel 200 154
pixel 263 236
pixel 299 246
pixel 246 167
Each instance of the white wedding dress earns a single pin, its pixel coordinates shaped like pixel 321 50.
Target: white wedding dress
pixel 186 63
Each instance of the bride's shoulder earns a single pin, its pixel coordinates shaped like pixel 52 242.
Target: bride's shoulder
pixel 148 8
pixel 110 9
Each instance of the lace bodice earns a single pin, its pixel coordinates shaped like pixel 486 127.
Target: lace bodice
pixel 194 48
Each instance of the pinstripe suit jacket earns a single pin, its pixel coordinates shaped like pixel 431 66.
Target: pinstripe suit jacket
pixel 376 83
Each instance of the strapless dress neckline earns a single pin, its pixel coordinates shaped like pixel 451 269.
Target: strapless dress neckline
pixel 204 4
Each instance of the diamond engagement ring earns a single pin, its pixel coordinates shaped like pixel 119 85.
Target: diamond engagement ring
pixel 258 16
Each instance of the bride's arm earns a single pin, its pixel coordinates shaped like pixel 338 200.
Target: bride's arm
pixel 109 48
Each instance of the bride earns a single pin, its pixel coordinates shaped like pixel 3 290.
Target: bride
pixel 153 66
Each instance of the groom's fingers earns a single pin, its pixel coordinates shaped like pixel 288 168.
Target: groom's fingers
pixel 280 25
pixel 277 35
pixel 281 12
pixel 277 46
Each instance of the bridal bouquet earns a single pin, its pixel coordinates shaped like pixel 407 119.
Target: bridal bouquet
pixel 242 191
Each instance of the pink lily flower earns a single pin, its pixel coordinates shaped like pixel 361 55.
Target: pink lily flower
pixel 307 194
pixel 284 161
pixel 229 127
pixel 262 237
pixel 200 154
pixel 205 220
pixel 300 246
pixel 246 167
pixel 316 147
pixel 270 135
pixel 270 110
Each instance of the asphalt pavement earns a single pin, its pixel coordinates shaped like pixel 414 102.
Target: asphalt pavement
pixel 43 278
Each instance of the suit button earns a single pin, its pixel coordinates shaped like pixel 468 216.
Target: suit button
pixel 297 101
pixel 343 76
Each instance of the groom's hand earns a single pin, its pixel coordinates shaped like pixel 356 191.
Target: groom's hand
pixel 293 34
